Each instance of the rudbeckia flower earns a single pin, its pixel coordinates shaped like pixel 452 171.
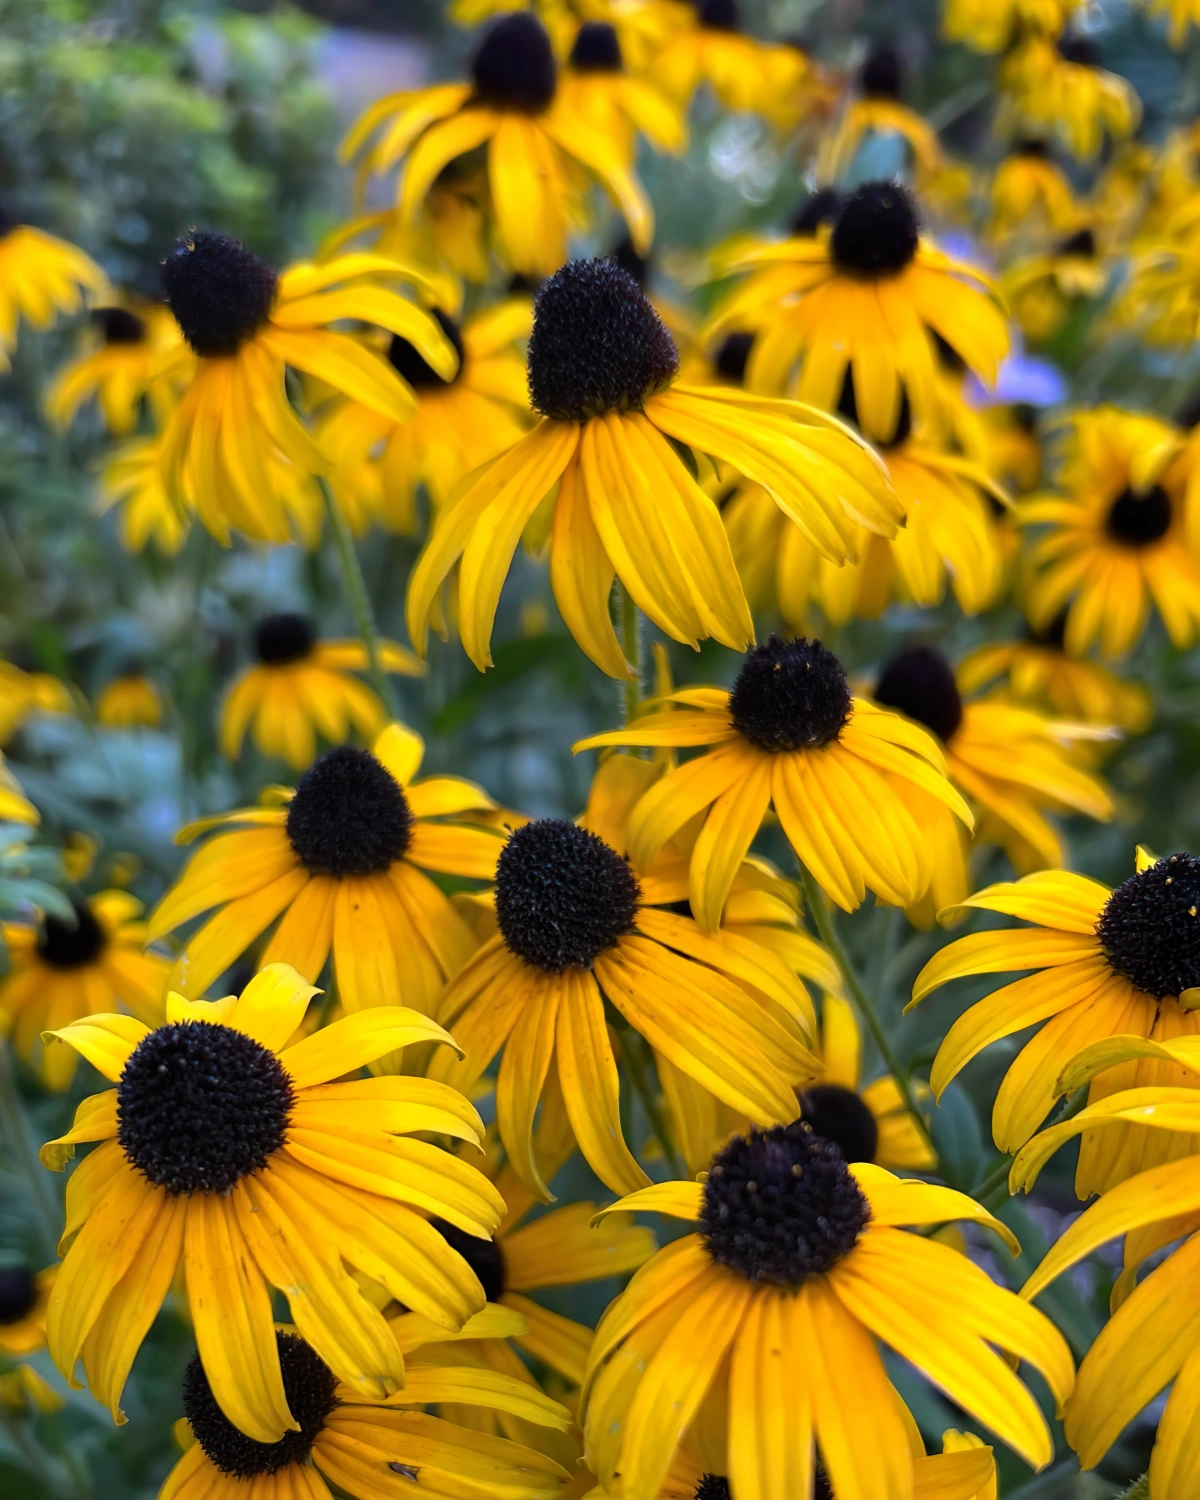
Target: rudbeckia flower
pixel 15 806
pixel 1108 964
pixel 1029 190
pixel 1038 672
pixel 745 74
pixel 300 688
pixel 136 347
pixel 869 299
pixel 1058 87
pixel 340 863
pixel 837 770
pixel 1011 764
pixel 1041 290
pixel 41 278
pixel 248 326
pixel 459 423
pixel 993 25
pixel 61 973
pixel 24 1297
pixel 540 156
pixel 1147 1344
pixel 1181 16
pixel 227 1147
pixel 601 372
pixel 798 1266
pixel 131 481
pixel 617 106
pixel 365 1447
pixel 25 693
pixel 577 928
pixel 1114 544
pixel 129 701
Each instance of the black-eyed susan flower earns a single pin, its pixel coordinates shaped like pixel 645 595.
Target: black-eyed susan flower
pixel 1057 87
pixel 24 693
pixel 1181 16
pixel 577 928
pixel 540 156
pixel 301 687
pixel 247 326
pixel 459 423
pixel 24 1297
pixel 340 861
pixel 1042 290
pixel 798 1266
pixel 1148 1343
pixel 15 806
pixel 43 278
pixel 1114 544
pixel 1012 764
pixel 62 972
pixel 601 371
pixel 869 298
pixel 993 25
pixel 226 1146
pixel 130 701
pixel 1123 963
pixel 367 1448
pixel 131 482
pixel 133 357
pixel 1030 191
pixel 744 73
pixel 1038 672
pixel 789 735
pixel 615 104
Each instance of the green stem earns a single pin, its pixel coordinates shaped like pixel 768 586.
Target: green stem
pixel 631 644
pixel 631 1044
pixel 814 899
pixel 358 598
pixel 47 1217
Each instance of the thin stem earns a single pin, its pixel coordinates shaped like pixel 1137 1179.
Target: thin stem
pixel 814 899
pixel 631 644
pixel 358 598
pixel 47 1216
pixel 631 1047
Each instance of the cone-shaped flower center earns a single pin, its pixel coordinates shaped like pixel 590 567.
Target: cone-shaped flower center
pixel 919 683
pixel 1150 927
pixel 1078 49
pixel 597 49
pixel 840 1115
pixel 1139 518
pixel 485 1257
pixel 563 896
pixel 18 1293
pixel 411 365
pixel 514 67
pixel 780 1205
pixel 597 344
pixel 65 947
pixel 790 695
pixel 1053 636
pixel 348 815
pixel 1033 148
pixel 220 292
pixel 119 326
pixel 719 15
pixel 308 1384
pixel 882 75
pixel 713 1487
pixel 733 355
pixel 876 231
pixel 821 207
pixel 201 1106
pixel 280 640
pixel 1081 244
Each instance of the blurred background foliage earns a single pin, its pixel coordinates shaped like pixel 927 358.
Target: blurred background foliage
pixel 123 123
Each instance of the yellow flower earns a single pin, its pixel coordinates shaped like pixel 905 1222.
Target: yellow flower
pixel 838 771
pixel 1042 289
pixel 24 1297
pixel 1029 191
pixel 1039 673
pixel 301 687
pixel 864 301
pixel 745 74
pixel 230 1151
pixel 365 1446
pixel 1050 86
pixel 42 278
pixel 61 973
pixel 541 156
pixel 249 326
pixel 1148 1342
pixel 1106 967
pixel 755 1338
pixel 129 701
pixel 608 100
pixel 132 480
pixel 1181 16
pixel 1011 764
pixel 878 109
pixel 136 347
pixel 1116 543
pixel 458 425
pixel 25 693
pixel 24 1390
pixel 992 25
pixel 341 863
pixel 15 807
pixel 601 367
